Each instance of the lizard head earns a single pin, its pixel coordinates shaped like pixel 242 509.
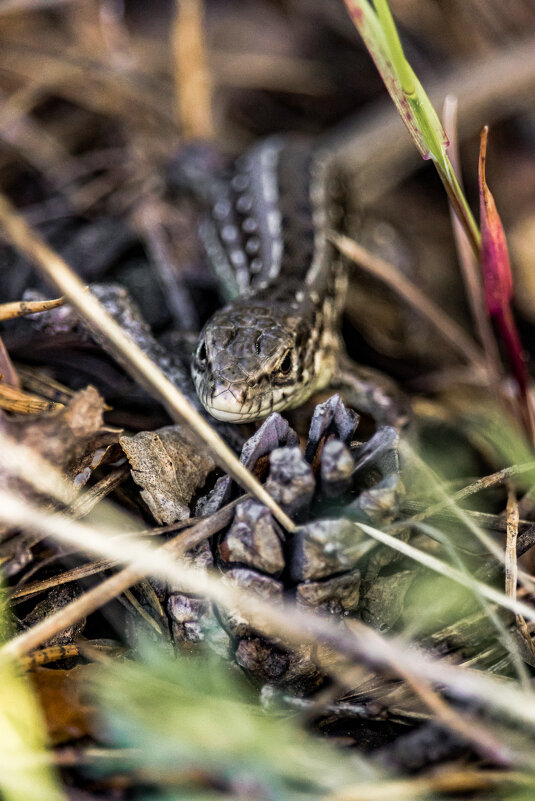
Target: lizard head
pixel 252 360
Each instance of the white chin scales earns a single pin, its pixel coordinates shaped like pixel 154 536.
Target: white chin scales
pixel 225 407
pixel 226 416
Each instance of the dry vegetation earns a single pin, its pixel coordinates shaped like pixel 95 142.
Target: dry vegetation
pixel 318 607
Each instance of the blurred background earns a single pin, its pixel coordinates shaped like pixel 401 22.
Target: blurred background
pixel 98 98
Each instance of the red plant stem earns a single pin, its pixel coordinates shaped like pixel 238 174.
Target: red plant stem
pixel 511 339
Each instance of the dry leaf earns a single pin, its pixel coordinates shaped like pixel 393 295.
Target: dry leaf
pixel 169 467
pixel 71 437
pixel 61 693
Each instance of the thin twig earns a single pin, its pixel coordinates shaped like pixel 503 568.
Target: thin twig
pixel 109 589
pixel 17 400
pixel 451 502
pixel 459 781
pixel 483 483
pixel 94 495
pixel 20 308
pixel 511 568
pixel 91 568
pixel 66 577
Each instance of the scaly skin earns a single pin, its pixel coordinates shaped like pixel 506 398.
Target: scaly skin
pixel 273 346
pixel 278 342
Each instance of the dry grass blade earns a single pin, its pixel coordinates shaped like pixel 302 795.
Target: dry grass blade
pixel 25 463
pixel 462 781
pixel 7 369
pixel 511 574
pixel 192 77
pixel 434 315
pixel 75 574
pixel 470 731
pixel 128 354
pixel 511 569
pixel 48 655
pixel 94 495
pixel 115 585
pixel 19 6
pixel 269 71
pixel 8 311
pixel 292 626
pixel 431 562
pixel 23 133
pixel 42 384
pixel 20 402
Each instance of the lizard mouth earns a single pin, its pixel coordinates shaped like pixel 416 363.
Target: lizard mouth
pixel 225 406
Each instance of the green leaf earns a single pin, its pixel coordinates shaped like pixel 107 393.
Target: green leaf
pixel 378 31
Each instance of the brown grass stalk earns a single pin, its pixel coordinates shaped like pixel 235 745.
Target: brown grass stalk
pixel 193 83
pixel 20 308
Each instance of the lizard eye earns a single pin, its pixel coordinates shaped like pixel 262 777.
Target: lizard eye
pixel 286 364
pixel 201 352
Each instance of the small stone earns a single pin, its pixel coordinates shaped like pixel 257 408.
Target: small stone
pixel 186 615
pixel 193 621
